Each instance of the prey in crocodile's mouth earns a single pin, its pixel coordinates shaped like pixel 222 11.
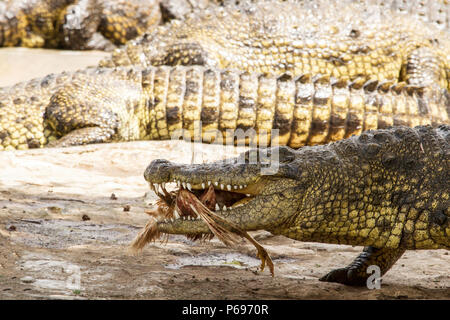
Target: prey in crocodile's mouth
pixel 225 199
pixel 214 196
pixel 187 204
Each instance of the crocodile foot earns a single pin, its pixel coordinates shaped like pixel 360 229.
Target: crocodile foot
pixel 364 266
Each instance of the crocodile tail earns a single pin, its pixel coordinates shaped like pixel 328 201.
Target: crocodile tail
pixel 209 105
pixel 236 107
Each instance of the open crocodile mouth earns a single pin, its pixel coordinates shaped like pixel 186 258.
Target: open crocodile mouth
pixel 204 201
pixel 213 195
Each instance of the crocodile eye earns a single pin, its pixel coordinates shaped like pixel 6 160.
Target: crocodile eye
pixel 285 154
pixel 288 158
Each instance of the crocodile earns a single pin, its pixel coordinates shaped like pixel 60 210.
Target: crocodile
pixel 125 103
pixel 273 40
pixel 87 24
pixel 339 38
pixel 387 190
pixel 75 24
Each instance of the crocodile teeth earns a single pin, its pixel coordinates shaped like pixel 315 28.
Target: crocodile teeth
pixel 217 207
pixel 216 183
pixel 189 186
pixel 203 185
pixel 235 187
pixel 224 208
pixel 228 187
pixel 221 186
pixel 178 183
pixel 209 182
pixel 163 185
pixel 176 214
pixel 241 187
pixel 183 184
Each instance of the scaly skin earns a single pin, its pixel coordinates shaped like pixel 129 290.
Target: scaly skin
pixel 408 54
pixel 75 24
pixel 387 190
pixel 284 37
pixel 343 40
pixel 104 105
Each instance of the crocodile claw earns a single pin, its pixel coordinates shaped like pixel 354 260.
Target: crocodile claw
pixel 345 276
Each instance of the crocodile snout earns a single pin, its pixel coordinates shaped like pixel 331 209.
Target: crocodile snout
pixel 158 170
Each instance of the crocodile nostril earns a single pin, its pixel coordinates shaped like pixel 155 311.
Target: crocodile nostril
pixel 158 169
pixel 159 163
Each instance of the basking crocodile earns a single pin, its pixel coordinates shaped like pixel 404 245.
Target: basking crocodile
pixel 103 105
pixel 337 38
pixel 75 24
pixel 273 38
pixel 387 190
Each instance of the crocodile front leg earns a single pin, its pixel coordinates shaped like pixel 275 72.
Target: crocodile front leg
pixel 95 108
pixel 83 136
pixel 356 274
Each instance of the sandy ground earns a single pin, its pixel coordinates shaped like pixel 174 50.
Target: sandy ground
pixel 64 236
pixel 18 64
